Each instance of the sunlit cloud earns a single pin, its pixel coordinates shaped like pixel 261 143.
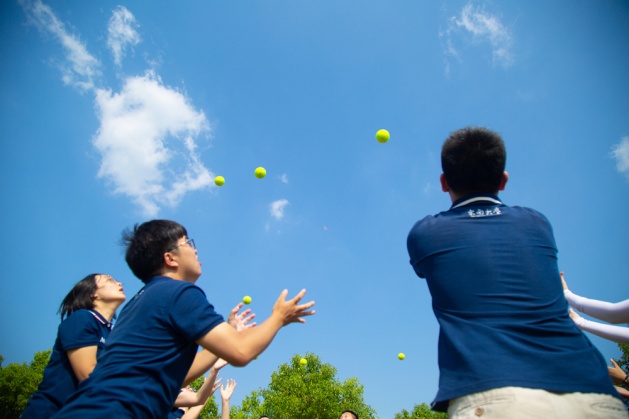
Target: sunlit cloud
pixel 81 68
pixel 149 133
pixel 480 27
pixel 121 33
pixel 147 140
pixel 277 208
pixel 620 153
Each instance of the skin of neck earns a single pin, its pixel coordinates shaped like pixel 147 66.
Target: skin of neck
pixel 107 310
pixel 454 196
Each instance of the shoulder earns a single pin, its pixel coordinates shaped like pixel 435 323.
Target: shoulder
pixel 78 317
pixel 530 213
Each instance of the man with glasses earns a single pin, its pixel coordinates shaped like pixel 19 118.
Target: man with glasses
pixel 151 350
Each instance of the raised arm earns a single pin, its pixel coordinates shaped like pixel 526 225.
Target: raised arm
pixel 200 397
pixel 619 334
pixel 204 358
pixel 608 312
pixel 239 348
pixel 226 393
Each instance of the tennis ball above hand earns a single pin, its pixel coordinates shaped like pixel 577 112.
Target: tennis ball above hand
pixel 246 299
pixel 401 356
pixel 219 180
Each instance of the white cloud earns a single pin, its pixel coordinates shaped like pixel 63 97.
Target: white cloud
pixel 121 32
pixel 620 152
pixel 148 132
pixel 147 142
pixel 482 27
pixel 82 67
pixel 284 178
pixel 277 208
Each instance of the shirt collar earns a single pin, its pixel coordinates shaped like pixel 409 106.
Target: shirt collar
pixel 483 199
pixel 100 318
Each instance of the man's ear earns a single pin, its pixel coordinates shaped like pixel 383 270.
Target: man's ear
pixel 503 182
pixel 170 261
pixel 444 183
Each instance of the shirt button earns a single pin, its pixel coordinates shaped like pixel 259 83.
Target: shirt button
pixel 478 411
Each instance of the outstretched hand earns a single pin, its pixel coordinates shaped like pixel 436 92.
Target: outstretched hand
pixel 241 321
pixel 573 315
pixel 290 310
pixel 616 373
pixel 227 389
pixel 564 284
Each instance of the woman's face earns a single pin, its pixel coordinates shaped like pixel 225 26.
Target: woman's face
pixel 108 289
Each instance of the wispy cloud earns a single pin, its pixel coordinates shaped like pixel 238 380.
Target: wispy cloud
pixel 284 178
pixel 121 32
pixel 478 26
pixel 277 208
pixel 146 139
pixel 620 153
pixel 81 68
pixel 148 132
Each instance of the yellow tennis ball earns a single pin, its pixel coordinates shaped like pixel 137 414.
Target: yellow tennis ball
pixel 219 180
pixel 383 136
pixel 303 361
pixel 401 356
pixel 260 172
pixel 246 299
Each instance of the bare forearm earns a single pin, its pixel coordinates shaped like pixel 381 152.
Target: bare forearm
pixel 203 361
pixel 225 410
pixel 239 348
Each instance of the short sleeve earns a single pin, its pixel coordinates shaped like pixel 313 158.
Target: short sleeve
pixel 78 330
pixel 192 314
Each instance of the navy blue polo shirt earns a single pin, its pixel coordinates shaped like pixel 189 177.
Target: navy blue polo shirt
pixel 492 273
pixel 80 329
pixel 148 355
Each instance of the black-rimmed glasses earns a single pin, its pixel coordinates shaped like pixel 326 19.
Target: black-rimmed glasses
pixel 189 242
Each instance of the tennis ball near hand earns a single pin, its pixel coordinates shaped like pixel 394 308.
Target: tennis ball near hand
pixel 246 299
pixel 260 172
pixel 382 136
pixel 401 356
pixel 303 362
pixel 219 180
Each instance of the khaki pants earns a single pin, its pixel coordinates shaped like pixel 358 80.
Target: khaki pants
pixel 518 402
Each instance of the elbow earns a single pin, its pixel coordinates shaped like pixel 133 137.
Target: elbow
pixel 239 359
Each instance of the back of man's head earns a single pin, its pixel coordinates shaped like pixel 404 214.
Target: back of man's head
pixel 473 161
pixel 147 243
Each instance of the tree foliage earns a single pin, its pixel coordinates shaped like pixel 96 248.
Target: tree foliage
pixel 309 391
pixel 623 361
pixel 18 382
pixel 420 411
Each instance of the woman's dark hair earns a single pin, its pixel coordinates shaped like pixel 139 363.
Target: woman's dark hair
pixel 80 296
pixel 147 243
pixel 473 160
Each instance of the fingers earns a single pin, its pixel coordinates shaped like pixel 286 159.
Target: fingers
pixel 235 309
pixel 296 299
pixel 244 313
pixel 614 362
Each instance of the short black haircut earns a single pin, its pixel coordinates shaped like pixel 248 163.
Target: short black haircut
pixel 473 160
pixel 79 297
pixel 349 411
pixel 147 243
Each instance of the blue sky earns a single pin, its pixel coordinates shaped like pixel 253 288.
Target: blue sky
pixel 117 113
